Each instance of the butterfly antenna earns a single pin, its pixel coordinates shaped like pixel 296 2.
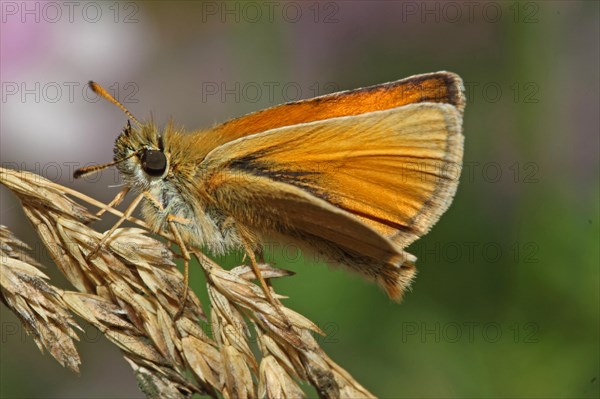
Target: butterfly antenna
pixel 86 170
pixel 99 90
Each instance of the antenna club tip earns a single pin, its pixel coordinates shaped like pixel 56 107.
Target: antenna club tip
pixel 94 86
pixel 99 90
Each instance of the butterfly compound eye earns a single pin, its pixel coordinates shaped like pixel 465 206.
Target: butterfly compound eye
pixel 154 162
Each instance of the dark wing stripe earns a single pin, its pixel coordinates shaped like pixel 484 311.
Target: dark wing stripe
pixel 305 180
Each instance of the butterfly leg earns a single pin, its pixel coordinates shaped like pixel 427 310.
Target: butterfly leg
pixel 252 256
pixel 107 235
pixel 172 219
pixel 252 253
pixel 115 201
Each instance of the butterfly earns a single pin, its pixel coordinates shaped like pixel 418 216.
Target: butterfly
pixel 354 176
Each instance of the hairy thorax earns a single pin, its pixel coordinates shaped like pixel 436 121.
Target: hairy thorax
pixel 199 224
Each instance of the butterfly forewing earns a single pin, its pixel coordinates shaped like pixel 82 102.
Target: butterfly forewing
pixel 383 167
pixel 356 176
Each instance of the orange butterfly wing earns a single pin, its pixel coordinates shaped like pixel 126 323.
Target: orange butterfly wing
pixel 395 170
pixel 437 87
pixel 356 175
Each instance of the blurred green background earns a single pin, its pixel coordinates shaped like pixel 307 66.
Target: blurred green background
pixel 506 302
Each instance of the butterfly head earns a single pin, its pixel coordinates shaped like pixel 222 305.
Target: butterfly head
pixel 140 156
